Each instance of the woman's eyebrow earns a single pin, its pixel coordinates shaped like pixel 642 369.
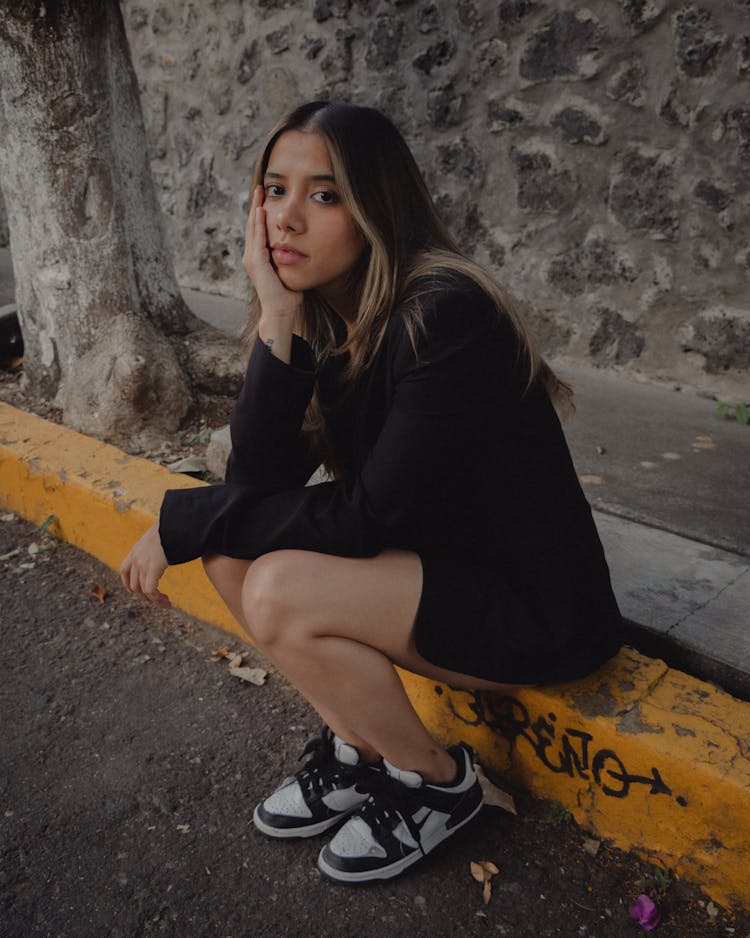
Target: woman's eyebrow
pixel 318 177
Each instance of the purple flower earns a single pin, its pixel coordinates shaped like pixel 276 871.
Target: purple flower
pixel 645 912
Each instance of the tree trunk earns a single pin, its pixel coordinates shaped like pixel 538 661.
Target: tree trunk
pixel 95 288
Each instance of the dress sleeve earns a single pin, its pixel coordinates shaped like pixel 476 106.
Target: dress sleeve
pixel 437 385
pixel 269 451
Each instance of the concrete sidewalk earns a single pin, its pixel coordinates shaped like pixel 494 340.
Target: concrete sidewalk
pixel 653 758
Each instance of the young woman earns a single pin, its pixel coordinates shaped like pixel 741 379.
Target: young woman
pixel 454 539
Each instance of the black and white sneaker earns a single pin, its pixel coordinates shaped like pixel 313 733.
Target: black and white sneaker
pixel 402 821
pixel 319 795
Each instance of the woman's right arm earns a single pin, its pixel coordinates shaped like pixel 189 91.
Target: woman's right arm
pixel 269 451
pixel 279 307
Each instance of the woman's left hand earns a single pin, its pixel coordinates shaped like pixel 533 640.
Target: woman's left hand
pixel 144 566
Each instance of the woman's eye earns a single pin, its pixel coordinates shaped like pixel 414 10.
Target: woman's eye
pixel 273 188
pixel 326 197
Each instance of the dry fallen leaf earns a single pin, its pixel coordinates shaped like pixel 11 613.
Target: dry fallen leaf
pixel 493 796
pixel 218 653
pixel 235 660
pixel 99 592
pixel 255 676
pixel 11 553
pixel 477 872
pixel 483 871
pixel 589 479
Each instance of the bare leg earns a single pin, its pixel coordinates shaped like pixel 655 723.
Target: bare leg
pixel 228 576
pixel 336 627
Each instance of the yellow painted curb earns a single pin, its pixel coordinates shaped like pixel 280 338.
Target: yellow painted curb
pixel 102 498
pixel 646 756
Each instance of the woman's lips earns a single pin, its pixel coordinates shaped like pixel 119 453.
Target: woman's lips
pixel 286 255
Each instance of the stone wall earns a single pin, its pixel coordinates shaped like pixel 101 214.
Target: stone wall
pixel 595 157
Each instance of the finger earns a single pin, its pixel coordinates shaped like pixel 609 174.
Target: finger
pixel 261 235
pixel 135 581
pixel 254 203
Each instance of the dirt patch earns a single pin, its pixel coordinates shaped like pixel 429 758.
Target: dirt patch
pixel 131 763
pixel 191 440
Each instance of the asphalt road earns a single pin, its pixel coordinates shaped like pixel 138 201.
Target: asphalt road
pixel 130 763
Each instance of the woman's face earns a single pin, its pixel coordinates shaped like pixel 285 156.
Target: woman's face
pixel 313 239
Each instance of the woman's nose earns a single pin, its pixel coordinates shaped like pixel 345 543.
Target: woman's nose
pixel 289 215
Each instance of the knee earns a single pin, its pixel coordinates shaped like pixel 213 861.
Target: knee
pixel 269 603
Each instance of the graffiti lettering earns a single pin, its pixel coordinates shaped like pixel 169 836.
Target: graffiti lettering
pixel 566 752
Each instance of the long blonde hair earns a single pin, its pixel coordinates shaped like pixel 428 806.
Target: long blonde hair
pixel 381 185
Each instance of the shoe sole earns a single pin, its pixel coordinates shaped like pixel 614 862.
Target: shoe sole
pixel 309 830
pixel 394 869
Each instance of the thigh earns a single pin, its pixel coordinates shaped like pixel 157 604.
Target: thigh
pixel 228 575
pixel 372 600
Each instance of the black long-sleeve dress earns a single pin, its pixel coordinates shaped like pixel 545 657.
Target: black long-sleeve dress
pixel 442 451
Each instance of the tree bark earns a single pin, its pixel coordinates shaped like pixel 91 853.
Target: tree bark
pixel 106 331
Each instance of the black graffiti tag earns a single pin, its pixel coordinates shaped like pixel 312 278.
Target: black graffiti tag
pixel 569 752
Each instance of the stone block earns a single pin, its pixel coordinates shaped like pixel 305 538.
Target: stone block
pixel 697 44
pixel 312 46
pixel 615 341
pixel 722 335
pixel 460 160
pixel 428 18
pixel 594 263
pixel 337 65
pixel 504 113
pixel 219 97
pixel 137 18
pixel 743 57
pixel 325 9
pixel 279 39
pixel 468 15
pixel 542 187
pixel 249 62
pixel 642 14
pixel 512 12
pixel 490 59
pixel 579 125
pixel 384 49
pixel 567 46
pixel 737 122
pixel 627 83
pixel 279 90
pixel 641 195
pixel 161 20
pixel 436 55
pixel 674 109
pixel 445 105
pixel 711 195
